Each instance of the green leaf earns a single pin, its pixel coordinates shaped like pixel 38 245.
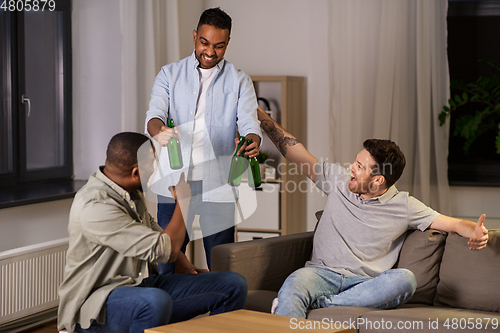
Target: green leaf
pixel 445 108
pixel 496 92
pixel 485 111
pixel 452 103
pixel 463 126
pixel 497 107
pixel 465 97
pixel 442 118
pixel 458 99
pixel 475 125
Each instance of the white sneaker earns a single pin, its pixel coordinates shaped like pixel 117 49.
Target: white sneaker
pixel 275 305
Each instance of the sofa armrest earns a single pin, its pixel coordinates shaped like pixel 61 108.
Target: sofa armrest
pixel 265 263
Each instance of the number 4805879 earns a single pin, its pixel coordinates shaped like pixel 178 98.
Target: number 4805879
pixel 471 323
pixel 28 5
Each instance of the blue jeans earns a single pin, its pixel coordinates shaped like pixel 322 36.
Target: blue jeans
pixel 163 299
pixel 211 214
pixel 319 287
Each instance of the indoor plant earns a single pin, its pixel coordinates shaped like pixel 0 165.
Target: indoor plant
pixel 481 98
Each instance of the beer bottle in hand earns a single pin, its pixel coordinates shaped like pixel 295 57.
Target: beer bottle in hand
pixel 254 170
pixel 174 150
pixel 237 166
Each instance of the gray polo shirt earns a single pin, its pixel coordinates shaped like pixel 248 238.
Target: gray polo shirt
pixel 362 237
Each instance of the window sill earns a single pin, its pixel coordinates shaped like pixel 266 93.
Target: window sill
pixel 474 173
pixel 31 194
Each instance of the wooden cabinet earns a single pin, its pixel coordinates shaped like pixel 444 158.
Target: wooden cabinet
pixel 281 203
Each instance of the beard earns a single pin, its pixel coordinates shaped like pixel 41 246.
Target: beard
pixel 358 187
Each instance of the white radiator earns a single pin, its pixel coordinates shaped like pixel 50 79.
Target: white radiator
pixel 30 277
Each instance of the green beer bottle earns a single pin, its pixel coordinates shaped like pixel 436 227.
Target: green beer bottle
pixel 254 171
pixel 237 166
pixel 174 150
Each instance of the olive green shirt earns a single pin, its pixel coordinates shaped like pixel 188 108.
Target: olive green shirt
pixel 112 240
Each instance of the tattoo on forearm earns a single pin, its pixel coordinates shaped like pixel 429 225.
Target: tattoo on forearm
pixel 278 137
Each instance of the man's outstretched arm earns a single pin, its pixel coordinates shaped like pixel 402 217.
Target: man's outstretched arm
pixel 288 145
pixel 476 232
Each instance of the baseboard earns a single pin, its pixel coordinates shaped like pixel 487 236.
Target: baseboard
pixel 27 323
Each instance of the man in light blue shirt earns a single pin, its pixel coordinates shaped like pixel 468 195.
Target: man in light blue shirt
pixel 207 98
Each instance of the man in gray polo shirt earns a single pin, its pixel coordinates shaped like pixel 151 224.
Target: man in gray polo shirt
pixel 361 231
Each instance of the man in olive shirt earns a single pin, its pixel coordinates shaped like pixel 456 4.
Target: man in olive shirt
pixel 110 281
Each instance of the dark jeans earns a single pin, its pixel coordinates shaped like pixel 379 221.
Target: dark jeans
pixel 163 299
pixel 211 214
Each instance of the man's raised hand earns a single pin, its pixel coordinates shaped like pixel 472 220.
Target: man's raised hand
pixel 481 239
pixel 166 133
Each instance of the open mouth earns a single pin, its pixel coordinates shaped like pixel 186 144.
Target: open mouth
pixel 209 59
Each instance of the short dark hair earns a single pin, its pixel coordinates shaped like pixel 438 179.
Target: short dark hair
pixel 215 17
pixel 122 149
pixel 390 160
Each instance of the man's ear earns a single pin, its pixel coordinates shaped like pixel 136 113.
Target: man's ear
pixel 194 36
pixel 379 180
pixel 135 173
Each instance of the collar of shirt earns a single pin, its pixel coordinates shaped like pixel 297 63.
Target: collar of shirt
pixel 195 63
pixel 117 188
pixel 392 191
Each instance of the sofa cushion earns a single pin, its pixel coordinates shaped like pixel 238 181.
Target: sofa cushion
pixel 470 279
pixel 421 253
pixel 264 263
pixel 260 300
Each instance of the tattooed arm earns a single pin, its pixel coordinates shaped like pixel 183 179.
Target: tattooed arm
pixel 288 145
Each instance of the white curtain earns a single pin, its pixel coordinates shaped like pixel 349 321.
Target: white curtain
pixel 389 74
pixel 150 40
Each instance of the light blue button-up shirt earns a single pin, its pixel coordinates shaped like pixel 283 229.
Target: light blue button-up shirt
pixel 230 103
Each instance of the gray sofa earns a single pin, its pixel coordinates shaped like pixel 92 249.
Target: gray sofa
pixel 458 289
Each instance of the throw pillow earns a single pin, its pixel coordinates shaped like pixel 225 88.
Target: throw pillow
pixel 421 253
pixel 470 279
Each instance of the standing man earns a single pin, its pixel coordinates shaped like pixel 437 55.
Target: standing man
pixel 110 280
pixel 361 231
pixel 208 99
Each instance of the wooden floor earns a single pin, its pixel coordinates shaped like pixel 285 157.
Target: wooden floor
pixel 47 328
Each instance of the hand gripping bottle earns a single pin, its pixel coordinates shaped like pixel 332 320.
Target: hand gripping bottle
pixel 174 150
pixel 254 175
pixel 237 166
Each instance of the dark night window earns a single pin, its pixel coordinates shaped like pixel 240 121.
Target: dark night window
pixel 35 109
pixel 473 34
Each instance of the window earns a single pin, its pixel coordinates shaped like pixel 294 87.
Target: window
pixel 473 34
pixel 35 109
